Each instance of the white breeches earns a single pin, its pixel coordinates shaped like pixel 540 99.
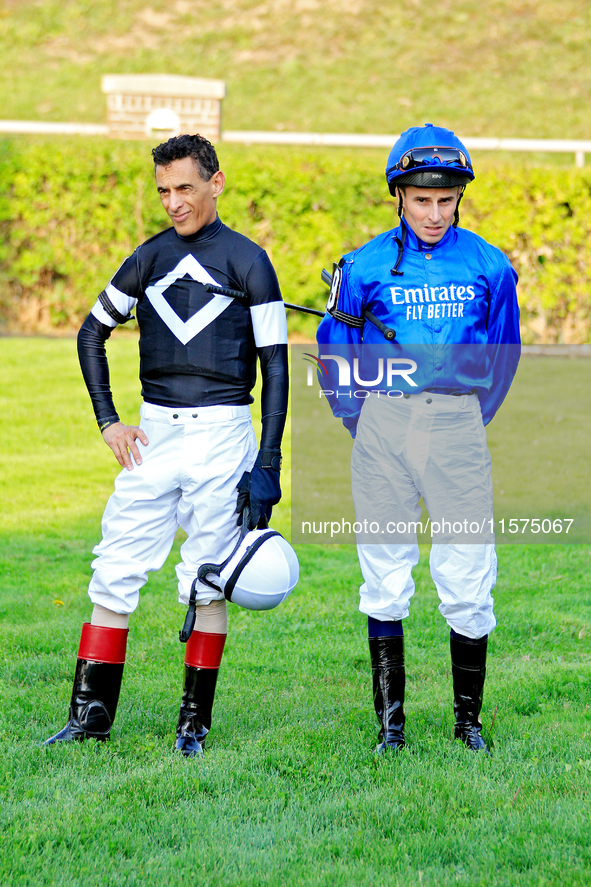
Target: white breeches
pixel 187 478
pixel 434 446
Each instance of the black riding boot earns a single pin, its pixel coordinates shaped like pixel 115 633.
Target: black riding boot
pixel 203 657
pixel 468 666
pixel 97 682
pixel 387 668
pixel 195 714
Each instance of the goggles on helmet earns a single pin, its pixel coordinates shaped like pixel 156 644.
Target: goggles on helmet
pixel 432 156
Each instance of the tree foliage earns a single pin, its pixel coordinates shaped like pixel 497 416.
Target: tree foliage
pixel 70 212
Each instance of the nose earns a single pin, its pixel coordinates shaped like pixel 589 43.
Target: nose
pixel 175 201
pixel 435 214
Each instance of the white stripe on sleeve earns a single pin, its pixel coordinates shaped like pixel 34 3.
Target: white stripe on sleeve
pixel 121 302
pixel 99 312
pixel 269 324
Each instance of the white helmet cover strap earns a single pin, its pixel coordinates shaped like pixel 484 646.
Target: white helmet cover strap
pixel 250 552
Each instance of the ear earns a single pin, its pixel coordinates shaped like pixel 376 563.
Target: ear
pixel 218 181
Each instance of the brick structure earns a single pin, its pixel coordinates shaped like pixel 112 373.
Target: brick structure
pixel 141 106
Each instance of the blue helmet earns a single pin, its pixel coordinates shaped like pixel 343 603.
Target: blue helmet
pixel 428 157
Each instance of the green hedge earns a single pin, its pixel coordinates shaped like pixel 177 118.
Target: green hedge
pixel 71 210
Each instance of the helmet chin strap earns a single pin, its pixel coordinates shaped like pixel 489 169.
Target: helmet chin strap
pixel 399 241
pixel 457 210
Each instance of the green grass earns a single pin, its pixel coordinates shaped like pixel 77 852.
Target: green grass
pixel 289 791
pixel 505 68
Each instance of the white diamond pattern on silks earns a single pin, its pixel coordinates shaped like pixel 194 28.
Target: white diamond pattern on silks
pixel 186 330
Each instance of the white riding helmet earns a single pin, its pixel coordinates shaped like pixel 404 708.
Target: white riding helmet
pixel 259 574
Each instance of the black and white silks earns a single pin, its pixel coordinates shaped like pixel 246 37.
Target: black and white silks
pixel 196 348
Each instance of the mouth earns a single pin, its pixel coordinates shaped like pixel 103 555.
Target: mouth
pixel 180 218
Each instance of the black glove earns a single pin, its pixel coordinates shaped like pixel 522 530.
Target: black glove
pixel 260 489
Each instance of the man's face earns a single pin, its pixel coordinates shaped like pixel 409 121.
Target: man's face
pixel 189 201
pixel 429 212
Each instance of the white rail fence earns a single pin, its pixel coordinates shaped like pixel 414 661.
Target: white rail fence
pixel 36 127
pixel 553 146
pixel 347 140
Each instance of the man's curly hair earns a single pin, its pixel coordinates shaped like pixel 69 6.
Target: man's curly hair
pixel 196 146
